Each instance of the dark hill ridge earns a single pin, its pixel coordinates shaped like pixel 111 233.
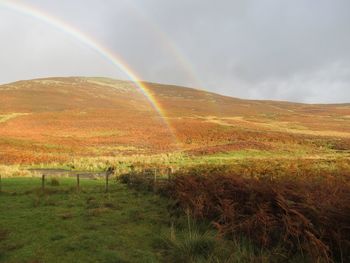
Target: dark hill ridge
pixel 48 119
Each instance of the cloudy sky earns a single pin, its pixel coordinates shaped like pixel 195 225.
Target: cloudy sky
pixel 260 49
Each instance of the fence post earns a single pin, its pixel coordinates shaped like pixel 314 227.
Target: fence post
pixel 78 182
pixel 107 178
pixel 109 171
pixel 0 184
pixel 155 180
pixel 155 176
pixel 43 182
pixel 169 173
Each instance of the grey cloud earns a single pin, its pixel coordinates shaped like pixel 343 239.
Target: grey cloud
pixel 259 49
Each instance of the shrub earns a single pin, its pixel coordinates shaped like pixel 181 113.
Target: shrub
pixel 295 206
pixel 139 180
pixel 54 182
pixel 305 214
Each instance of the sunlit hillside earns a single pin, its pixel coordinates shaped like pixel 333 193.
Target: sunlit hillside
pixel 58 119
pixel 275 173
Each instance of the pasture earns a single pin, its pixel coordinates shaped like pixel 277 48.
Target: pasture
pixel 61 224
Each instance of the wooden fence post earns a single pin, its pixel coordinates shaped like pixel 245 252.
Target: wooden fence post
pixel 155 176
pixel 155 180
pixel 78 182
pixel 107 178
pixel 109 171
pixel 43 182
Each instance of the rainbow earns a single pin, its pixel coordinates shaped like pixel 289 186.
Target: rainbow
pixel 92 44
pixel 179 56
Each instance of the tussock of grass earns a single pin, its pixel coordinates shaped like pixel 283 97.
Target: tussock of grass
pixel 198 245
pixel 191 246
pixel 54 182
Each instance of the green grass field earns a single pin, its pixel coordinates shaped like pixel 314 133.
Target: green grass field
pixel 62 225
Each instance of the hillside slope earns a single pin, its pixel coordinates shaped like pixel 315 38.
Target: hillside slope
pixel 56 119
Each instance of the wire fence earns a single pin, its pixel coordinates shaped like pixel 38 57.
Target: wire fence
pixel 154 176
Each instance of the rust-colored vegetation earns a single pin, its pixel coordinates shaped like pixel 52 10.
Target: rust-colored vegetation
pixel 62 119
pixel 285 183
pixel 291 207
pixel 304 213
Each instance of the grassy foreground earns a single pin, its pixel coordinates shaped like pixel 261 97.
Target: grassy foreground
pixel 266 211
pixel 62 225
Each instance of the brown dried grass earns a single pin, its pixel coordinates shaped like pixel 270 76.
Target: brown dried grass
pixel 306 213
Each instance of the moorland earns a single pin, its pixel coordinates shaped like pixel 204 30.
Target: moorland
pixel 195 176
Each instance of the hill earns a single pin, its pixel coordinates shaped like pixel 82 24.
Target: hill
pixel 57 119
pixel 271 176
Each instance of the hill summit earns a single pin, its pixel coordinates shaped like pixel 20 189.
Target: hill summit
pixel 54 119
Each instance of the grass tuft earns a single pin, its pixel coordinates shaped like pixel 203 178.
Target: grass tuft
pixel 54 182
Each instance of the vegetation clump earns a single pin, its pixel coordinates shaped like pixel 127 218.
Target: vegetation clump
pixel 54 182
pixel 284 207
pixel 302 215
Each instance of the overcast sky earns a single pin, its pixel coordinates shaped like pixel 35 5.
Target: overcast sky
pixel 260 49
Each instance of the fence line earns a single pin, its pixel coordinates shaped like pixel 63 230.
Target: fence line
pixel 159 175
